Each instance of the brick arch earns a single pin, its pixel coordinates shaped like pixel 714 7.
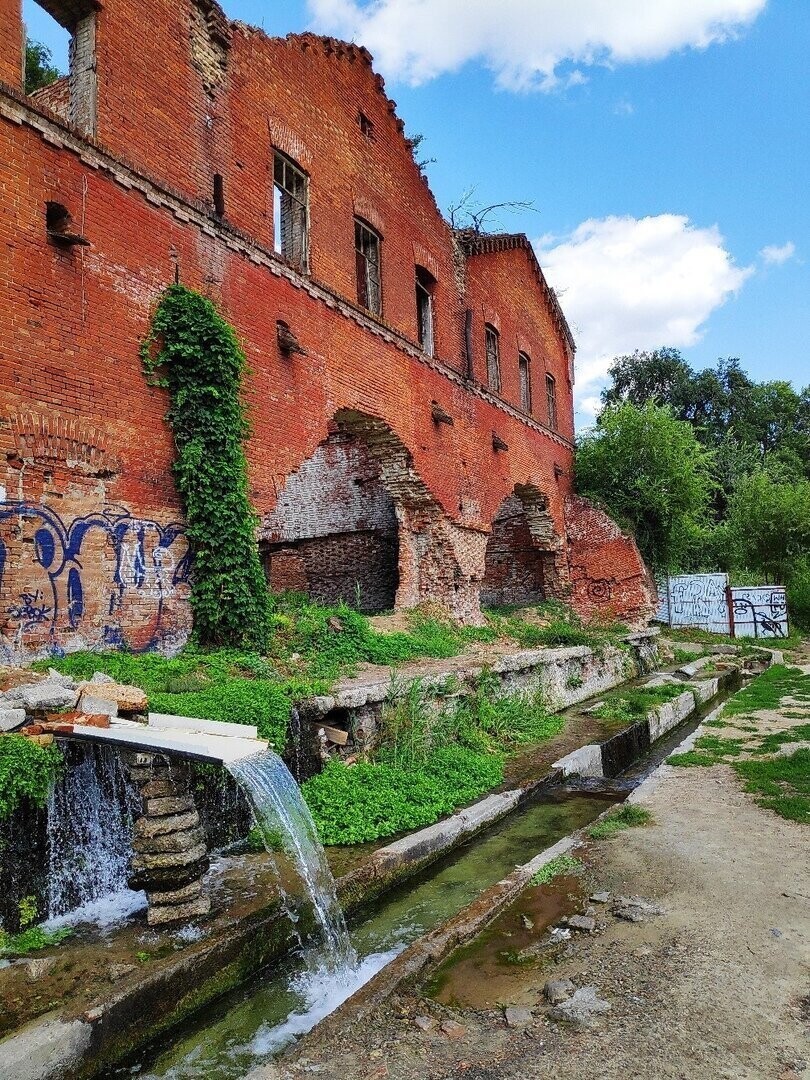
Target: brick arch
pixel 525 561
pixel 440 561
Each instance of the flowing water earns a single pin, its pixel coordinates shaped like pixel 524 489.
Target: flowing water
pixel 90 812
pixel 252 1024
pixel 284 820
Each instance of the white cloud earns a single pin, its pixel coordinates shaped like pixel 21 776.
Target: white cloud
pixel 624 108
pixel 775 254
pixel 630 283
pixel 525 42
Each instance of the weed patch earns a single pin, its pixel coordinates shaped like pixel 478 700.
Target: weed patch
pixel 628 816
pixel 781 784
pixel 559 866
pixel 31 940
pixel 631 705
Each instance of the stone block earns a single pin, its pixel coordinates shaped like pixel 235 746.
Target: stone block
pixel 168 842
pixel 168 877
pixel 168 824
pixel 175 896
pixel 162 860
pixel 194 909
pixel 11 719
pixel 170 805
pixel 94 705
pixel 127 698
pixel 41 697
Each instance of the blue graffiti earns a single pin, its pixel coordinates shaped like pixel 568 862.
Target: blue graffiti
pixel 86 573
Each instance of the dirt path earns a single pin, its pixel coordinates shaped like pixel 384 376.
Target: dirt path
pixel 717 987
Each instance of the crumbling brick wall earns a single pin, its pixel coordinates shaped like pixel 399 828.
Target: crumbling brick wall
pixel 609 579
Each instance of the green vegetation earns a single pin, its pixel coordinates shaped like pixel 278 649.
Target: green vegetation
pixel 362 802
pixel 628 706
pixel 781 784
pixel 431 760
pixel 768 690
pixel 651 472
pixel 560 866
pixel 27 771
pixel 30 938
pixel 39 69
pixel 201 364
pixel 628 816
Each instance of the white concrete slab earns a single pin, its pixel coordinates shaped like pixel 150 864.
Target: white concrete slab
pixel 200 746
pixel 204 727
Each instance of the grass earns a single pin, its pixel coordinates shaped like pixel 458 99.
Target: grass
pixel 559 866
pixel 628 816
pixel 704 637
pixel 631 705
pixel 780 783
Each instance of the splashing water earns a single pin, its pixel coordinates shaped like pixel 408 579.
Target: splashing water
pixel 283 816
pixel 90 813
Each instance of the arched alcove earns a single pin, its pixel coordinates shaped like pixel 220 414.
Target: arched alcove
pixel 521 564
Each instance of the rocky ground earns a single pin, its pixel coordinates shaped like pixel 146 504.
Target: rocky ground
pixel 715 986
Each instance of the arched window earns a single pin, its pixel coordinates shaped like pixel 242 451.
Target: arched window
pixel 551 401
pixel 367 245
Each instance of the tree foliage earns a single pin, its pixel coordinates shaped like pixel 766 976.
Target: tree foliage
pixel 39 69
pixel 769 519
pixel 652 474
pixel 201 365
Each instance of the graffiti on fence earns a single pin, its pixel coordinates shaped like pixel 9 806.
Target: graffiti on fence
pixel 106 579
pixel 695 600
pixel 760 611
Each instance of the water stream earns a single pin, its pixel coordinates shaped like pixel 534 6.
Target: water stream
pixel 252 1024
pixel 90 812
pixel 284 820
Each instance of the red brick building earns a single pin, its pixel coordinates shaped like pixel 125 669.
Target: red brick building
pixel 410 390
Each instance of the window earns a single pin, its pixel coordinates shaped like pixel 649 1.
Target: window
pixel 551 400
pixel 493 359
pixel 367 258
pixel 424 308
pixel 525 383
pixel 366 126
pixel 74 96
pixel 290 198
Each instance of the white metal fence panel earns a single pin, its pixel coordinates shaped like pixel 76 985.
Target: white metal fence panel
pixel 695 600
pixel 760 611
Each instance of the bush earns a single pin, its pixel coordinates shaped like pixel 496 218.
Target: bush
pixel 27 771
pixel 798 593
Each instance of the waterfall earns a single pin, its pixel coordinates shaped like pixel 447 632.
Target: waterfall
pixel 283 817
pixel 90 812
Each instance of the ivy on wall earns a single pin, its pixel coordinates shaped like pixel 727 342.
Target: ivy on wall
pixel 194 353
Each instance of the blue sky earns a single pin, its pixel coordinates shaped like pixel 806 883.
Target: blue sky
pixel 665 150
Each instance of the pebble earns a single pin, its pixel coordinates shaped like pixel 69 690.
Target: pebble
pixel 556 991
pixel 600 897
pixel 453 1030
pixel 585 923
pixel 425 1023
pixel 517 1017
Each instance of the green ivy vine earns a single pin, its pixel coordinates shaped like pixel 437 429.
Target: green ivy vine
pixel 194 353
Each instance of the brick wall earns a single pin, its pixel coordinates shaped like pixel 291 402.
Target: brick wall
pixel 608 577
pixel 86 448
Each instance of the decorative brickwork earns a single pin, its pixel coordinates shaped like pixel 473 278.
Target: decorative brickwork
pixel 165 169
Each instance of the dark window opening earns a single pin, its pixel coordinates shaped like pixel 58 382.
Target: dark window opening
pixel 366 126
pixel 290 206
pixel 493 352
pixel 219 195
pixel 367 260
pixel 525 382
pixel 551 401
pixel 425 284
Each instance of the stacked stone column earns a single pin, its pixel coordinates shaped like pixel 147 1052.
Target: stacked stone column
pixel 170 857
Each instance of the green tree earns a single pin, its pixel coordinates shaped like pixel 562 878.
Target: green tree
pixel 39 69
pixel 651 473
pixel 769 522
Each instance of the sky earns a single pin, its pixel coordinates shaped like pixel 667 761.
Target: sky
pixel 662 144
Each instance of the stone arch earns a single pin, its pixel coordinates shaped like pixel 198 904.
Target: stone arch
pixel 525 560
pixel 357 510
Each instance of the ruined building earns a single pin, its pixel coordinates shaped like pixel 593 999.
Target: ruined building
pixel 410 388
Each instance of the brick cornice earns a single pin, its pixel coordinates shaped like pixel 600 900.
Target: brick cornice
pixel 18 110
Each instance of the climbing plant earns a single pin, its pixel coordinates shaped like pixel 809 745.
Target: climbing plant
pixel 194 353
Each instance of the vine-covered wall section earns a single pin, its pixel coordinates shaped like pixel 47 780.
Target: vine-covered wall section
pixel 194 353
